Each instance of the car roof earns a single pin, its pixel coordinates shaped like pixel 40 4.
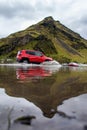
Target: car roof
pixel 31 50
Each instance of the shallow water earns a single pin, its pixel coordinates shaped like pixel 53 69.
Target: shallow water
pixel 43 98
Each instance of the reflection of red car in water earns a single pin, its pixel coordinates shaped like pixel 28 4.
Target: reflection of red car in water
pixel 32 73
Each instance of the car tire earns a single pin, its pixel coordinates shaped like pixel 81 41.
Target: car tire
pixel 46 60
pixel 25 61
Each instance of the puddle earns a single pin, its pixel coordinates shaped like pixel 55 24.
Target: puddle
pixel 43 98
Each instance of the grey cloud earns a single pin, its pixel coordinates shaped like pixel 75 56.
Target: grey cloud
pixel 83 20
pixel 18 9
pixel 43 6
pixel 25 10
pixel 71 13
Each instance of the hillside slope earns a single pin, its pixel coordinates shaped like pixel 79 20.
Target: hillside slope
pixel 50 37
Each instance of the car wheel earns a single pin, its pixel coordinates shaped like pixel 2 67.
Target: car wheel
pixel 25 61
pixel 46 60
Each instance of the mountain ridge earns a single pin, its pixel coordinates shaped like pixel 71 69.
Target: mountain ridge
pixel 50 37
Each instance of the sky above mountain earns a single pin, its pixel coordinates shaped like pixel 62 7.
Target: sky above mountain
pixel 16 15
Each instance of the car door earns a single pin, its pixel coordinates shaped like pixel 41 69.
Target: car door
pixel 35 56
pixel 38 57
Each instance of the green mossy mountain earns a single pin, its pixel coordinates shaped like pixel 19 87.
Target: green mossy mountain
pixel 50 37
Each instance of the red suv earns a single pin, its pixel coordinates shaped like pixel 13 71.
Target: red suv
pixel 32 56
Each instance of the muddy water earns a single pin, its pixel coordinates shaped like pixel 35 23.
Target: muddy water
pixel 43 98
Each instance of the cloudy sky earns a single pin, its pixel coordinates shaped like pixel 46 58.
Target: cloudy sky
pixel 16 15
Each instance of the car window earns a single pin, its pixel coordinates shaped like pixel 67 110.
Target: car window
pixel 30 52
pixel 38 53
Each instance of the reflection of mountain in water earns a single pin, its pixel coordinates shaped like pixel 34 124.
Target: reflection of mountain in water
pixel 48 92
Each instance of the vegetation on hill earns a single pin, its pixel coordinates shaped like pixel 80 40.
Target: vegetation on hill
pixel 50 37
